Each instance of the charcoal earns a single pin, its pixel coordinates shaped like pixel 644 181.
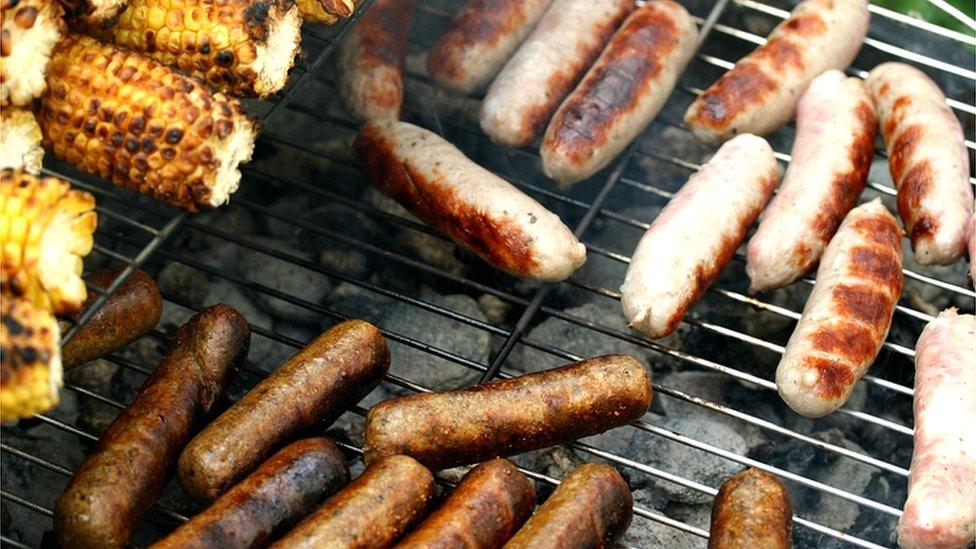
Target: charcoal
pixel 645 532
pixel 286 277
pixel 709 386
pixel 494 309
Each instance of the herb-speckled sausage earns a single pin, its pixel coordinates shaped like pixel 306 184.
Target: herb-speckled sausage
pixel 751 510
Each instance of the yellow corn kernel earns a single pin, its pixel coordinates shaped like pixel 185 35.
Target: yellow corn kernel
pixel 30 359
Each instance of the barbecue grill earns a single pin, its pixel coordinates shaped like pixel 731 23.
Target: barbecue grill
pixel 306 243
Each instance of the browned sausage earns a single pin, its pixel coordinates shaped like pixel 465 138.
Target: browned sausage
pixel 484 511
pixel 752 509
pixel 592 507
pixel 373 511
pixel 126 315
pixel 125 471
pixel 282 490
pixel 333 372
pixel 508 417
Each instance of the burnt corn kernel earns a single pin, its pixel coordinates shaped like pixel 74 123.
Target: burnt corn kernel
pixel 30 28
pixel 30 359
pixel 325 11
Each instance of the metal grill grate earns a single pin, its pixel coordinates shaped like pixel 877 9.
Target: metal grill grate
pixel 736 337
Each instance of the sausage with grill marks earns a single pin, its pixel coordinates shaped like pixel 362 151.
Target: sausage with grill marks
pixel 760 93
pixel 835 129
pixel 510 416
pixel 752 509
pixel 126 470
pixel 847 315
pixel 282 490
pixel 620 95
pixel 928 160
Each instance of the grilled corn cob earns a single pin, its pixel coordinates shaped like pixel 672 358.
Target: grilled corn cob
pixel 46 228
pixel 241 47
pixel 20 140
pixel 93 13
pixel 125 117
pixel 30 359
pixel 28 31
pixel 325 11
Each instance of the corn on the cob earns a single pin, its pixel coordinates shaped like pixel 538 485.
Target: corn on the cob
pixel 125 117
pixel 28 31
pixel 93 13
pixel 241 47
pixel 30 359
pixel 325 11
pixel 20 140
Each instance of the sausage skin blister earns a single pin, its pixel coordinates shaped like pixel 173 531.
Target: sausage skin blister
pixel 371 60
pixel 760 93
pixel 510 416
pixel 941 507
pixel 282 490
pixel 620 95
pixel 128 314
pixel 591 507
pixel 696 234
pixel 479 40
pixel 485 510
pixel 836 125
pixel 474 207
pixel 544 69
pixel 928 160
pixel 334 371
pixel 373 511
pixel 124 473
pixel 847 315
pixel 752 509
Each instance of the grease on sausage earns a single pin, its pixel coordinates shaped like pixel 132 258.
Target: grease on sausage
pixel 752 509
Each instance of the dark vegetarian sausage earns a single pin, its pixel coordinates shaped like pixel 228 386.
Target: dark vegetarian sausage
pixel 752 509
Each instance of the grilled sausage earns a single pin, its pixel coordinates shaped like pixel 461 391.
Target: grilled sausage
pixel 478 41
pixel 696 234
pixel 317 384
pixel 928 160
pixel 373 511
pixel 546 66
pixel 760 93
pixel 507 417
pixel 371 61
pixel 752 509
pixel 621 93
pixel 592 507
pixel 477 209
pixel 484 511
pixel 126 315
pixel 972 247
pixel 125 471
pixel 847 315
pixel 835 129
pixel 282 490
pixel 940 511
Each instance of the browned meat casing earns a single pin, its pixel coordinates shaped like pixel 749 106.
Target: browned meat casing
pixel 592 507
pixel 124 473
pixel 128 314
pixel 334 371
pixel 752 509
pixel 507 417
pixel 282 490
pixel 373 511
pixel 484 511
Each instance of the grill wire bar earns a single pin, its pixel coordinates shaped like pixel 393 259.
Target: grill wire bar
pixel 173 222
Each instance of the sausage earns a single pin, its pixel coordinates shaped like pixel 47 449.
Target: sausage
pixel 373 511
pixel 478 41
pixel 510 416
pixel 752 509
pixel 316 385
pixel 835 129
pixel 282 490
pixel 760 93
pixel 928 160
pixel 546 66
pixel 484 511
pixel 126 469
pixel 371 61
pixel 940 511
pixel 620 95
pixel 591 507
pixel 696 234
pixel 474 207
pixel 126 315
pixel 972 247
pixel 847 315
